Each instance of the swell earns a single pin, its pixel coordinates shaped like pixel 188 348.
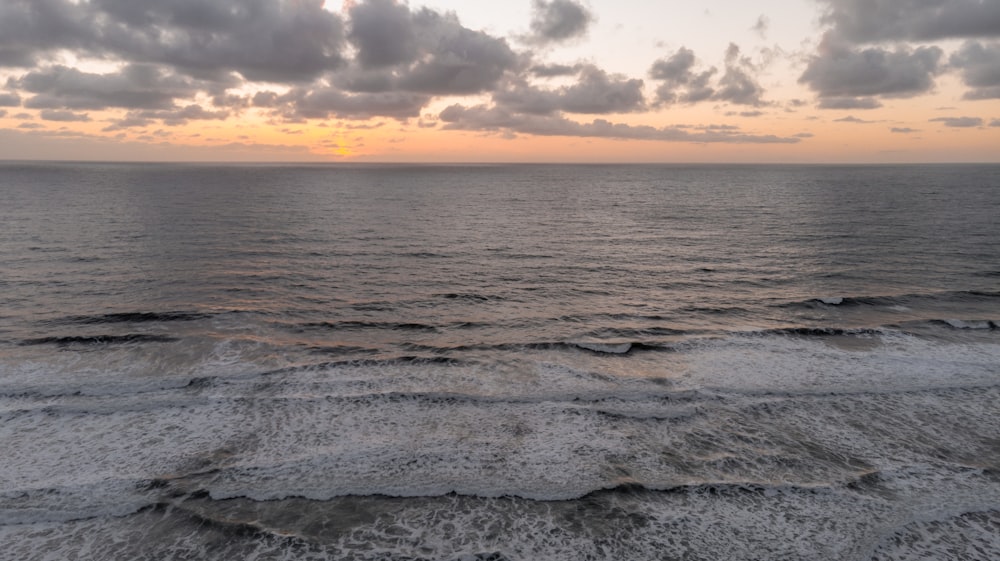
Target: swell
pixel 609 402
pixel 860 481
pixel 894 300
pixel 131 317
pixel 597 347
pixel 100 339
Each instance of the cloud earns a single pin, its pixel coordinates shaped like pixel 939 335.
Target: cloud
pixel 270 40
pixel 980 65
pixel 852 119
pixel 855 61
pixel 761 26
pixel 456 59
pixel 181 116
pixel 959 122
pixel 64 116
pixel 500 120
pixel 31 28
pixel 868 21
pixel 595 92
pixel 554 70
pixel 3 112
pixel 903 130
pixel 424 52
pixel 840 71
pixel 177 49
pixel 137 86
pixel 322 103
pixel 681 84
pixel 849 103
pixel 995 123
pixel 674 71
pixel 383 33
pixel 738 85
pixel 399 50
pixel 555 21
pixel 171 118
pixel 10 99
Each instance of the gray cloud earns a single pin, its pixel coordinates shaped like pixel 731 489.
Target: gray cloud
pixel 365 80
pixel 554 70
pixel 853 61
pixel 10 99
pixel 171 117
pixel 3 112
pixel 383 33
pixel 761 26
pixel 274 40
pixel 132 120
pixel 558 20
pixel 959 122
pixel 680 83
pixel 595 93
pixel 995 123
pixel 265 40
pixel 843 72
pixel 903 130
pixel 868 21
pixel 980 65
pixel 181 116
pixel 424 52
pixel 403 58
pixel 852 119
pixel 137 86
pixel 456 59
pixel 399 50
pixel 849 103
pixel 64 116
pixel 321 103
pixel 497 119
pixel 674 71
pixel 30 28
pixel 737 85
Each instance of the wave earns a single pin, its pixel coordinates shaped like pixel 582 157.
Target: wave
pixel 107 498
pixel 470 297
pixel 363 325
pixel 966 324
pixel 102 339
pixel 863 480
pixel 819 332
pixel 891 300
pixel 132 317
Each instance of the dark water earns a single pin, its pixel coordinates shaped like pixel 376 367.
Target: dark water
pixel 499 362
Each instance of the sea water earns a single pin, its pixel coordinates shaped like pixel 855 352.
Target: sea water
pixel 499 362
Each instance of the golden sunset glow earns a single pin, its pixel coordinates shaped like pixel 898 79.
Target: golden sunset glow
pixel 441 81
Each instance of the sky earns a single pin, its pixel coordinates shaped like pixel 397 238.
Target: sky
pixel 796 81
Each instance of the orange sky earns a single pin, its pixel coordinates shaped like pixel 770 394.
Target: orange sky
pixel 559 80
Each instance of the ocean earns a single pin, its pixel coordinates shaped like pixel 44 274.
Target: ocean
pixel 499 362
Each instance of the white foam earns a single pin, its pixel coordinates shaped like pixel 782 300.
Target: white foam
pixel 763 410
pixel 832 300
pixel 724 523
pixel 891 361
